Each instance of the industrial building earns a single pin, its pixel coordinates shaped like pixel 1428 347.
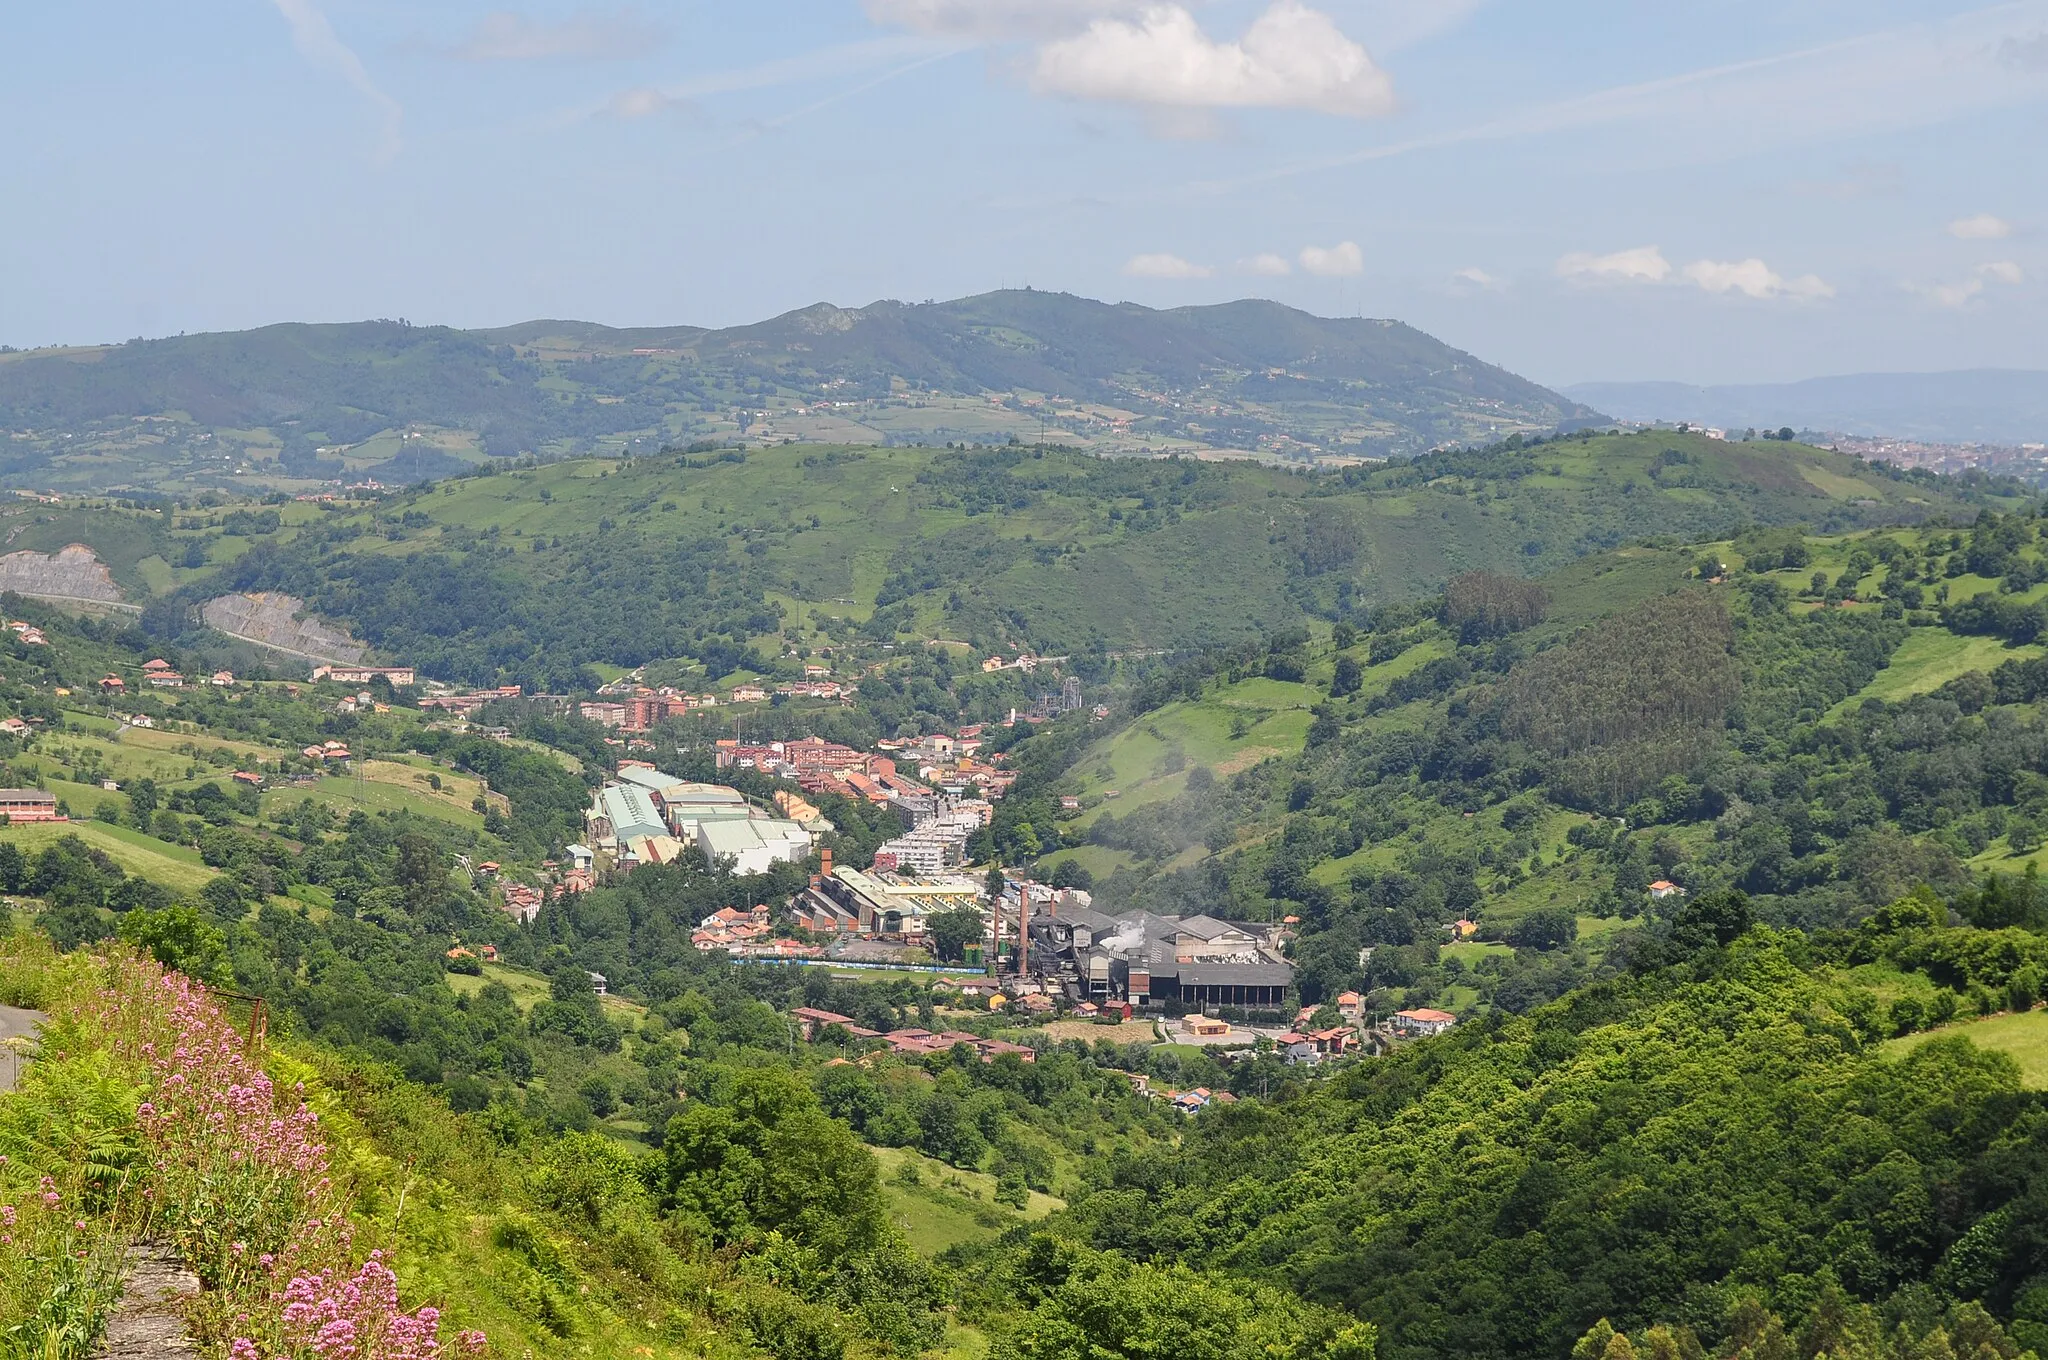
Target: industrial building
pixel 883 903
pixel 646 816
pixel 1149 960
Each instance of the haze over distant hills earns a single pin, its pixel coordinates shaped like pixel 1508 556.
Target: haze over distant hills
pixel 311 402
pixel 1985 405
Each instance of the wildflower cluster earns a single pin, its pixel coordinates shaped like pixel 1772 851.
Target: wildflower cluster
pixel 356 1318
pixel 59 1273
pixel 239 1178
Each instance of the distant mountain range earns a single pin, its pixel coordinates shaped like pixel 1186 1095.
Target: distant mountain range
pixel 310 402
pixel 1984 405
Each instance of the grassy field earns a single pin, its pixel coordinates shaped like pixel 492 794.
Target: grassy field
pixel 1930 658
pixel 948 1206
pixel 176 867
pixel 1230 729
pixel 2024 1037
pixel 529 989
pixel 343 794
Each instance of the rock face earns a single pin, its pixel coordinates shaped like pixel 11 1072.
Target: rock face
pixel 68 575
pixel 281 623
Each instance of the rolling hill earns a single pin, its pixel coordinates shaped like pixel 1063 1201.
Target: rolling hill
pixel 294 405
pixel 534 572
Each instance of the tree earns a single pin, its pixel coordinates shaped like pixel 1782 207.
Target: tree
pixel 420 871
pixel 953 931
pixel 1348 678
pixel 13 867
pixel 767 1158
pixel 179 938
pixel 142 802
pixel 1544 928
pixel 1714 918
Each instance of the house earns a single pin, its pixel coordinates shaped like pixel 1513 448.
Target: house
pixel 166 679
pixel 816 1021
pixel 222 679
pixel 1350 1005
pixel 398 677
pixel 1464 930
pixel 13 727
pixel 29 805
pixel 113 684
pixel 597 983
pixel 1664 888
pixel 254 781
pixel 155 666
pixel 1423 1022
pixel 1205 1027
pixel 458 952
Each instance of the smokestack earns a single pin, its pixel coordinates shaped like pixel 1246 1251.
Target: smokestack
pixel 1024 930
pixel 825 861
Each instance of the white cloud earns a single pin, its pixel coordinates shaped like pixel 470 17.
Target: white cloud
pixel 1754 278
pixel 1969 290
pixel 1643 264
pixel 1475 277
pixel 1982 227
pixel 315 38
pixel 1291 57
pixel 1267 266
pixel 1164 266
pixel 1341 261
pixel 998 20
pixel 585 35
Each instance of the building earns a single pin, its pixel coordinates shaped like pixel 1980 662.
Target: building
pixel 883 903
pixel 1664 888
pixel 646 816
pixel 1149 960
pixel 398 677
pixel 755 845
pixel 29 805
pixel 1423 1023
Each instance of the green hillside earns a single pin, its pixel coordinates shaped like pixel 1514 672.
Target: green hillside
pixel 535 572
pixel 296 404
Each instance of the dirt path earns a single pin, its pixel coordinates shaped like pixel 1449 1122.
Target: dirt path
pixel 15 1023
pixel 147 1324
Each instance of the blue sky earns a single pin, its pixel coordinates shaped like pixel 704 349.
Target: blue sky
pixel 1723 190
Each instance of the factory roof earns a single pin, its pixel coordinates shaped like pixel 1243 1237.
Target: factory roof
pixel 631 812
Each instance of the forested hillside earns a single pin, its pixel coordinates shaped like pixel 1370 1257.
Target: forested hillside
pixel 728 559
pixel 295 405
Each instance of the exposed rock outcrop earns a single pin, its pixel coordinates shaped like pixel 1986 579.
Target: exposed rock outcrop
pixel 280 622
pixel 72 574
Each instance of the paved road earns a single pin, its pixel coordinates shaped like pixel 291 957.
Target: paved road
pixel 15 1023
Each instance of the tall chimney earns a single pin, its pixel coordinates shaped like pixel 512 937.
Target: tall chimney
pixel 1024 930
pixel 825 861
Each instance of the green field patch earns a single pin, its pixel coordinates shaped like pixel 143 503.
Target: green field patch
pixel 1930 658
pixel 344 794
pixel 947 1207
pixel 2023 1037
pixel 1472 952
pixel 528 989
pixel 175 867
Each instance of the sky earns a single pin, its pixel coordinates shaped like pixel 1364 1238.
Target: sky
pixel 1579 190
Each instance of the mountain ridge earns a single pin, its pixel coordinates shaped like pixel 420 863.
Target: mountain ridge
pixel 302 403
